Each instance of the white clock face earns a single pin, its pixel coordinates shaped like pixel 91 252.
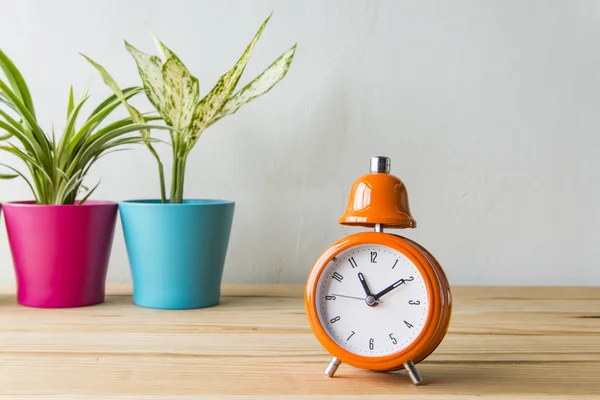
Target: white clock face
pixel 372 300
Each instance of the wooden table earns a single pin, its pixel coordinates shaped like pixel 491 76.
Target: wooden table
pixel 503 343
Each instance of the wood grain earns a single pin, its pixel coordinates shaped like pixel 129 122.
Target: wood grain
pixel 504 342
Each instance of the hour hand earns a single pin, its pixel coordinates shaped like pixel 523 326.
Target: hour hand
pixel 392 287
pixel 363 282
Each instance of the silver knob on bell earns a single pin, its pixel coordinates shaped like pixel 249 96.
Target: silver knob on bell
pixel 380 164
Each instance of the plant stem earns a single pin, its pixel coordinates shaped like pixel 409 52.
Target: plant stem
pixel 178 178
pixel 173 196
pixel 161 173
pixel 181 177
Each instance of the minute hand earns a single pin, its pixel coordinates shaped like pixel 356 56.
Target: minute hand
pixel 392 287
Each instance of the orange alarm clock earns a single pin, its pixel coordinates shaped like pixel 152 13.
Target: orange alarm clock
pixel 375 300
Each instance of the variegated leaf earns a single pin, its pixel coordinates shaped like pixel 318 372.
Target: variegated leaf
pixel 110 82
pixel 212 103
pixel 163 50
pixel 150 70
pixel 181 92
pixel 259 86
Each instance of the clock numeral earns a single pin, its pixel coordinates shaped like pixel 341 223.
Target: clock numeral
pixel 352 334
pixel 394 266
pixel 393 338
pixel 371 344
pixel 408 324
pixel 329 297
pixel 336 319
pixel 338 277
pixel 414 302
pixel 373 257
pixel 353 262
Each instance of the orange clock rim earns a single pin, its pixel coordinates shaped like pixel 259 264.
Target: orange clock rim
pixel 392 361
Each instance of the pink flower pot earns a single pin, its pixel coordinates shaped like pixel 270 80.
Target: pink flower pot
pixel 60 253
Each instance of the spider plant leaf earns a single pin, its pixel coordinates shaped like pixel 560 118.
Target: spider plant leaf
pixel 113 146
pixel 27 181
pixel 26 158
pixel 70 128
pixel 88 194
pixel 86 91
pixel 97 157
pixel 95 141
pixel 31 163
pixel 72 186
pixel 61 173
pixel 98 148
pixel 97 117
pixel 67 187
pixel 114 150
pixel 71 102
pixel 9 128
pixel 113 99
pixel 125 122
pixel 38 134
pixel 11 121
pixel 110 82
pixel 8 176
pixel 53 141
pixel 108 135
pixel 212 103
pixel 5 100
pixel 134 113
pixel 44 177
pixel 150 70
pixel 259 86
pixel 181 92
pixel 24 138
pixel 16 81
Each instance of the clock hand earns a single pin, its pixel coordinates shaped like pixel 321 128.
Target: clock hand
pixel 392 287
pixel 352 297
pixel 349 297
pixel 363 282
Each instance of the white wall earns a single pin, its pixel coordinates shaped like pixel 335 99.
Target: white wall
pixel 488 109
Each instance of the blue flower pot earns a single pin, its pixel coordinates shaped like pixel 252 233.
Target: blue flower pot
pixel 176 251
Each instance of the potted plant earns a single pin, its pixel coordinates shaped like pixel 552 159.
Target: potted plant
pixel 60 244
pixel 177 246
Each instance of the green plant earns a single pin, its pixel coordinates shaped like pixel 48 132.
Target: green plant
pixel 58 166
pixel 175 94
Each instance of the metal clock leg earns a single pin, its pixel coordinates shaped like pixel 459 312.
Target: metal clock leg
pixel 332 367
pixel 414 375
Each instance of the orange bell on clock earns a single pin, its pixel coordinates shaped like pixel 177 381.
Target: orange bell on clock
pixel 378 198
pixel 375 300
